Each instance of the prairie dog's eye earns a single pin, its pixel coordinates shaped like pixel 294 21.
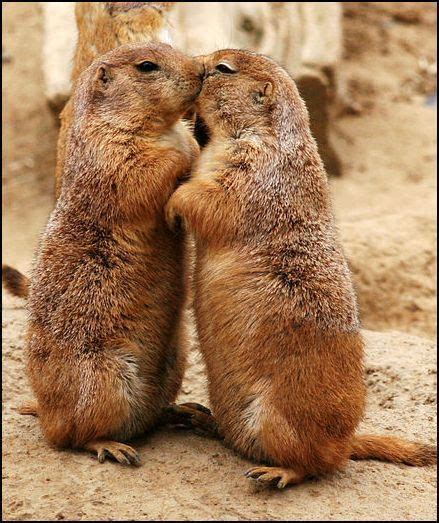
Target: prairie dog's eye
pixel 147 67
pixel 224 68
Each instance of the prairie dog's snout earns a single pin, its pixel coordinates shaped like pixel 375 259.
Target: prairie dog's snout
pixel 191 76
pixel 199 60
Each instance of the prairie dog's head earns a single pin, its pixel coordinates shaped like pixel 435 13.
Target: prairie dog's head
pixel 139 87
pixel 246 92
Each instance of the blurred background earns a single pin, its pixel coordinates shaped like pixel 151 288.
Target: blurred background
pixel 367 71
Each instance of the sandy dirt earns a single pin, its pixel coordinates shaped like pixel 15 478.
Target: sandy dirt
pixel 385 203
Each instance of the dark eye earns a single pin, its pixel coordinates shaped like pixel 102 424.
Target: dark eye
pixel 224 68
pixel 147 67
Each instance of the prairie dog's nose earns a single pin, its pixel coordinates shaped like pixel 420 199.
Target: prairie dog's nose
pixel 201 66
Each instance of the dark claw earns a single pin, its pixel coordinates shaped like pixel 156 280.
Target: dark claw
pixel 136 460
pixel 130 458
pixel 253 474
pixel 176 410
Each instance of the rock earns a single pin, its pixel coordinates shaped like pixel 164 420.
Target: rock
pixel 58 49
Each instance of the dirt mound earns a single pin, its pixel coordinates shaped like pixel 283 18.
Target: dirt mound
pixel 394 270
pixel 187 477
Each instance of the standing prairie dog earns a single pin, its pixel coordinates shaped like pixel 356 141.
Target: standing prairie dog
pixel 104 341
pixel 274 304
pixel 103 26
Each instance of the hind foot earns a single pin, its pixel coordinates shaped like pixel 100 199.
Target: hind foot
pixel 29 408
pixel 193 416
pixel 115 450
pixel 271 475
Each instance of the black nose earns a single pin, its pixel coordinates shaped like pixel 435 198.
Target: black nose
pixel 201 69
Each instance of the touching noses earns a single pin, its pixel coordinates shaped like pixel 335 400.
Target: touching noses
pixel 199 60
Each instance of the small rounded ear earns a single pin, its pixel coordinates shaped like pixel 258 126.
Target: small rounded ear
pixel 268 90
pixel 103 76
pixel 264 93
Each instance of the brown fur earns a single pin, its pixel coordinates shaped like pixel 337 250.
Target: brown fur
pixel 14 282
pixel 274 303
pixel 103 26
pixel 105 336
pixel 395 450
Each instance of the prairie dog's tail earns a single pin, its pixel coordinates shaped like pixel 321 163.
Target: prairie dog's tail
pixel 15 283
pixel 393 449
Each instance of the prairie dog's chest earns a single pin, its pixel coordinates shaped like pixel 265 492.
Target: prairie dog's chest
pixel 214 264
pixel 211 161
pixel 180 139
pixel 226 271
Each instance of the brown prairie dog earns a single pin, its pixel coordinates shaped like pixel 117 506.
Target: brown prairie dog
pixel 274 304
pixel 103 26
pixel 104 342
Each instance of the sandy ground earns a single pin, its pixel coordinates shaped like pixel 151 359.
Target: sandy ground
pixel 385 204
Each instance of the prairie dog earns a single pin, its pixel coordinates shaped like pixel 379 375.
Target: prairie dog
pixel 103 26
pixel 274 304
pixel 105 340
